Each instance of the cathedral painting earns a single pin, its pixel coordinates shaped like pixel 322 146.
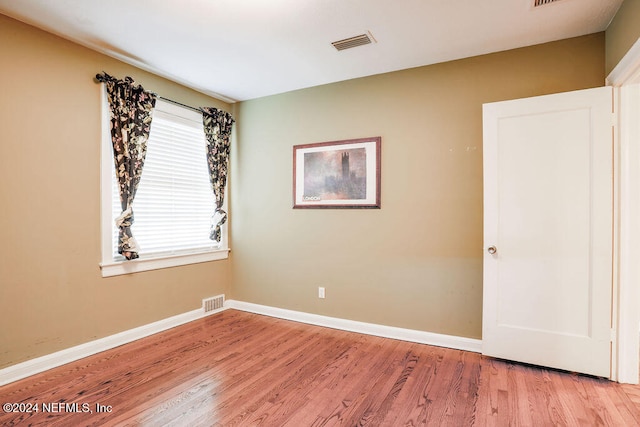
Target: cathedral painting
pixel 337 174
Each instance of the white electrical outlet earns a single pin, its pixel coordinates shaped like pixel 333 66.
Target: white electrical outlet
pixel 320 292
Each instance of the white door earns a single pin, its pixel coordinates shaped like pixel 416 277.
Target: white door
pixel 548 225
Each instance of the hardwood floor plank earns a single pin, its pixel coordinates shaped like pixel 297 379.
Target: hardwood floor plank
pixel 360 375
pixel 487 405
pixel 373 407
pixel 239 369
pixel 543 400
pixel 410 400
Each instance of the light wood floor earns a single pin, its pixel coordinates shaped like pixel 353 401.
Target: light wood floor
pixel 236 368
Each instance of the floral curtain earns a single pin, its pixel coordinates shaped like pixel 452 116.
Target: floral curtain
pixel 217 129
pixel 131 109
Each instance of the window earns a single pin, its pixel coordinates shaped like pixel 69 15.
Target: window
pixel 174 201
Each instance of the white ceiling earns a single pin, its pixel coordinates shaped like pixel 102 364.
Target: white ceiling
pixel 244 49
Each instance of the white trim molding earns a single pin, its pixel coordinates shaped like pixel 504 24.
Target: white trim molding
pixel 59 358
pixel 628 235
pixel 625 77
pixel 421 337
pixel 116 268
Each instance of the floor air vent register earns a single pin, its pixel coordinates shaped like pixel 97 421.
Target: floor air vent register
pixel 213 303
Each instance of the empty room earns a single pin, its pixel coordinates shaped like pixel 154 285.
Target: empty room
pixel 320 212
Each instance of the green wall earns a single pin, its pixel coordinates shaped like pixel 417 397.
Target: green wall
pixel 622 33
pixel 417 262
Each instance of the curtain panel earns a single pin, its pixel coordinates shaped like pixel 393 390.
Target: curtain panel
pixel 217 130
pixel 131 110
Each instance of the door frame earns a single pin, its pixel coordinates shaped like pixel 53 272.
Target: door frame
pixel 625 78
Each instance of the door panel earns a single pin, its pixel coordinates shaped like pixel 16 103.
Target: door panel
pixel 548 212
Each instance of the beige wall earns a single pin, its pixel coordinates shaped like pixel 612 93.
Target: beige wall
pixel 52 295
pixel 622 33
pixel 417 262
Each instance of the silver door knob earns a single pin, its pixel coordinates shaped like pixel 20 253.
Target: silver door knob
pixel 492 250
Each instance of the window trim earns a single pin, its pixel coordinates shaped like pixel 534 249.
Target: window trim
pixel 108 265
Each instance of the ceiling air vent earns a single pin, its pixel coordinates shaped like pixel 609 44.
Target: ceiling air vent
pixel 537 3
pixel 355 41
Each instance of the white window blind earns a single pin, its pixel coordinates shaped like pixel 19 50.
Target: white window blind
pixel 174 202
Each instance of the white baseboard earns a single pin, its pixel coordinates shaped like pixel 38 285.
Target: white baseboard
pixel 59 358
pixel 449 341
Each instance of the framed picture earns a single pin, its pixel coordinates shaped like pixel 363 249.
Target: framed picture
pixel 337 174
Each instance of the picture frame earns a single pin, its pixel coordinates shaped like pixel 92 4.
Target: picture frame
pixel 337 174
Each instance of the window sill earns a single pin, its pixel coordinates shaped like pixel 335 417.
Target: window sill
pixel 118 268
